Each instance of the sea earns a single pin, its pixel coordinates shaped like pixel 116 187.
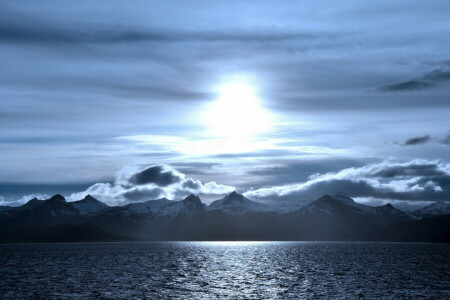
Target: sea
pixel 225 270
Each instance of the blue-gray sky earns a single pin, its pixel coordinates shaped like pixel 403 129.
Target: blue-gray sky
pixel 94 93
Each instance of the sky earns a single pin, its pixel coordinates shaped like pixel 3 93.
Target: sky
pixel 283 101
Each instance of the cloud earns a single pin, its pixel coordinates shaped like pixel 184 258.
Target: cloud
pixel 133 184
pixel 426 81
pixel 157 175
pixel 74 77
pixel 425 139
pixel 446 140
pixel 22 200
pixel 290 171
pixel 409 85
pixel 416 180
pixel 195 168
pixel 417 140
pixel 438 75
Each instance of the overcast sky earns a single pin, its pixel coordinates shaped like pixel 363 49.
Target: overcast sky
pixel 350 96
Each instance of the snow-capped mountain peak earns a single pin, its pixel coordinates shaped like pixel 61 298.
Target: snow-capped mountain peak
pixel 90 206
pixel 343 205
pixel 31 204
pixel 192 199
pixel 237 204
pixel 435 209
pixel 235 199
pixel 330 205
pixel 191 205
pixel 344 197
pixel 57 197
pixel 89 198
pixel 390 211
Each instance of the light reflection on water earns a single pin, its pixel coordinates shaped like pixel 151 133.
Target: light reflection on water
pixel 231 243
pixel 225 270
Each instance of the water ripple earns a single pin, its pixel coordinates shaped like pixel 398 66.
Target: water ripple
pixel 225 270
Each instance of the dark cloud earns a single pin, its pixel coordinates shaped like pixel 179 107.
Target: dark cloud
pixel 438 75
pixel 416 170
pixel 426 81
pixel 157 175
pixel 425 139
pixel 140 194
pixel 191 184
pixel 409 85
pixel 417 140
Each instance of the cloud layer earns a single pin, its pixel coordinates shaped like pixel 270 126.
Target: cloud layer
pixel 133 184
pixel 416 180
pixel 408 184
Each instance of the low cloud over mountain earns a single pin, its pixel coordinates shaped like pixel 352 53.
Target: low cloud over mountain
pixel 407 183
pixel 414 180
pixel 134 184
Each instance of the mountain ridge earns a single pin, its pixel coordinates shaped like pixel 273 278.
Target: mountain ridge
pixel 233 217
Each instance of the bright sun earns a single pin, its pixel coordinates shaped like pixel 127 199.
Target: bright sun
pixel 237 111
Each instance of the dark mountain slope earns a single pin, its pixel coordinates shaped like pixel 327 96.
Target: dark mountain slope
pixel 233 217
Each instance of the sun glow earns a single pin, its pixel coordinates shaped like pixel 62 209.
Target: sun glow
pixel 237 112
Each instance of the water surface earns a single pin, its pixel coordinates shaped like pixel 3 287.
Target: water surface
pixel 225 270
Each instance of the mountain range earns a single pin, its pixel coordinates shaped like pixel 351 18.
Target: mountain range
pixel 233 217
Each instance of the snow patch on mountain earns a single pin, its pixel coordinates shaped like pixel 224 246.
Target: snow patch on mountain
pixel 237 204
pixel 89 206
pixel 190 206
pixel 435 209
pixel 341 204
